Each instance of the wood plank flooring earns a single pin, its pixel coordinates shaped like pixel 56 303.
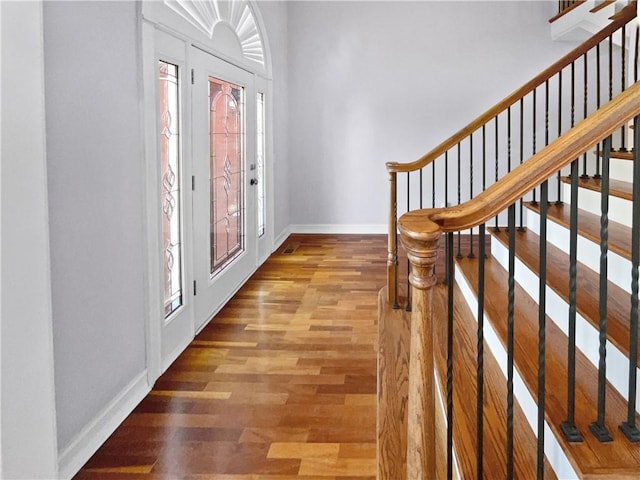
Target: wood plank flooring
pixel 280 385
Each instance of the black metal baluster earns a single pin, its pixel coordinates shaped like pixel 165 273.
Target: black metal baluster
pixel 497 228
pixel 533 140
pixel 510 320
pixel 450 357
pixel 508 139
pixel 568 426
pixel 433 184
pixel 598 427
pixel 471 255
pixel 421 188
pixel 459 254
pixel 484 157
pixel 623 80
pixel 597 174
pixel 480 352
pixel 585 112
pixel 610 67
pixel 521 228
pixel 559 175
pixel 408 305
pixel 573 94
pixel 484 161
pixel 542 316
pixel 635 56
pixel 629 427
pixel 446 179
pixel 546 114
pixel 446 204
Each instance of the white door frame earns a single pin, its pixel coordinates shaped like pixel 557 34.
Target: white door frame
pixel 171 18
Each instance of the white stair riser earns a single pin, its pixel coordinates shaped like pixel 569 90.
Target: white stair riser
pixel 589 200
pixel 587 337
pixel 618 267
pixel 621 169
pixel 552 449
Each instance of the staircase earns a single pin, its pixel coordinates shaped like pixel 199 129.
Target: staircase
pixel 510 351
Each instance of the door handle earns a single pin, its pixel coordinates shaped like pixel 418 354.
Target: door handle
pixel 254 181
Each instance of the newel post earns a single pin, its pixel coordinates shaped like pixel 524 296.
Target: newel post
pixel 420 238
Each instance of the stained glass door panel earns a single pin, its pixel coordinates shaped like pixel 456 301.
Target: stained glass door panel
pixel 170 186
pixel 226 142
pixel 223 146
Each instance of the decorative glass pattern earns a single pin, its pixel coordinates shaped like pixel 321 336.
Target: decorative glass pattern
pixel 170 188
pixel 260 157
pixel 226 147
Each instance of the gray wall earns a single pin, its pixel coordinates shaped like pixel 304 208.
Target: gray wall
pixel 372 82
pixel 94 149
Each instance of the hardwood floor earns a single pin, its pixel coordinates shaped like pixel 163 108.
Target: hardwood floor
pixel 280 385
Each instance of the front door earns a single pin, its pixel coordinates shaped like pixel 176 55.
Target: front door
pixel 223 109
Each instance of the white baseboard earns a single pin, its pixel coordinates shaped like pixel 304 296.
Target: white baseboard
pixel 87 442
pixel 358 229
pixel 281 238
pixel 173 356
pixel 324 229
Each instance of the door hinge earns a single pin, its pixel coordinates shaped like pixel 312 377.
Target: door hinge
pixel 195 290
pixel 193 80
pixel 193 182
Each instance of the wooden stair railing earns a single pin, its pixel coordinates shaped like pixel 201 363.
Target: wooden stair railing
pixel 420 233
pixel 511 147
pixel 564 7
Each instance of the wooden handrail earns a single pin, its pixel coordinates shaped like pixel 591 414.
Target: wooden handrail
pixel 602 5
pixel 420 224
pixel 618 20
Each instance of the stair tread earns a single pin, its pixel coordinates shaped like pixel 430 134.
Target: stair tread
pixel 617 188
pixel 619 154
pixel 619 235
pixel 618 459
pixel 465 388
pixel 587 291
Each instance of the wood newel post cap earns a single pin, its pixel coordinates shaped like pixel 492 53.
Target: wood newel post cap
pixel 420 237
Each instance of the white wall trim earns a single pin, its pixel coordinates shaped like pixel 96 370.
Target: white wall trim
pixel 281 238
pixel 328 229
pixel 1 469
pixel 94 434
pixel 151 228
pixel 358 229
